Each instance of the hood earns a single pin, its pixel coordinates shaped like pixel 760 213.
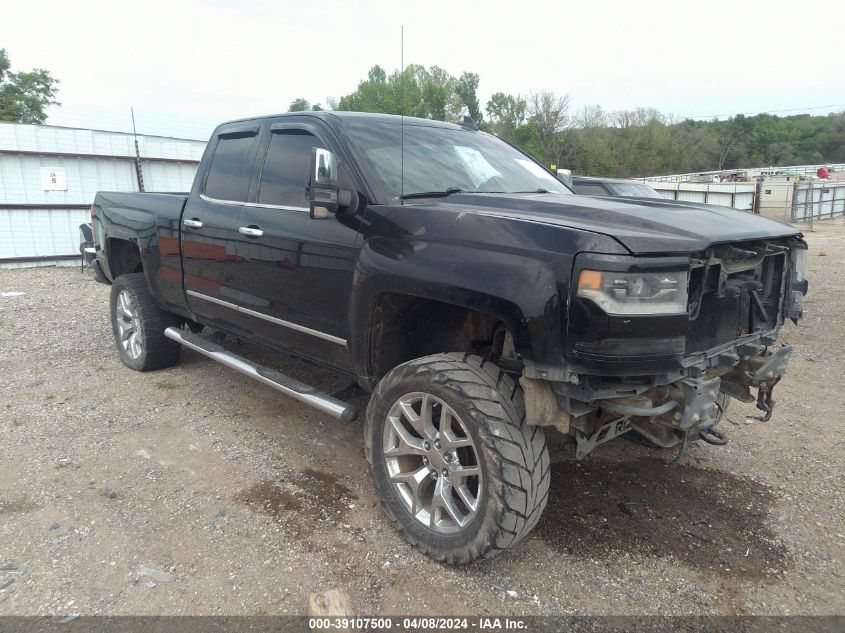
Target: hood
pixel 642 225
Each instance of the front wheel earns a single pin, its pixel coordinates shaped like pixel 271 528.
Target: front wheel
pixel 138 324
pixel 454 464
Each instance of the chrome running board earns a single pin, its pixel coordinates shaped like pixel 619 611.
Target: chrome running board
pixel 270 377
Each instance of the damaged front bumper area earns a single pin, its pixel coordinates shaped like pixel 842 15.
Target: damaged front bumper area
pixel 670 415
pixel 690 408
pixel 668 372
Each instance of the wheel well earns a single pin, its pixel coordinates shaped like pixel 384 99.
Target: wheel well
pixel 124 258
pixel 405 327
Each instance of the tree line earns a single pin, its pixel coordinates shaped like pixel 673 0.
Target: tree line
pixel 594 141
pixel 588 140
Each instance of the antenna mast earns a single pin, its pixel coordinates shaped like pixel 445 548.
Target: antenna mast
pixel 138 171
pixel 402 116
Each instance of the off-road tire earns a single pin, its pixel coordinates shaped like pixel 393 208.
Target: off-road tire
pixel 512 454
pixel 158 351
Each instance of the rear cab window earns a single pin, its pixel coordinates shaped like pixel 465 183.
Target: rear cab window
pixel 229 173
pixel 590 189
pixel 634 190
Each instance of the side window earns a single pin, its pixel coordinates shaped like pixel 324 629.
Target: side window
pixel 284 179
pixel 228 174
pixel 589 189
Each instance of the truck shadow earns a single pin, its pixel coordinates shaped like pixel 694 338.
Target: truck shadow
pixel 706 519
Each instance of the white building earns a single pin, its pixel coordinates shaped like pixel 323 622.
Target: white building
pixel 49 176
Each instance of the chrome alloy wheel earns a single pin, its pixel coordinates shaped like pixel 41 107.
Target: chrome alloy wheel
pixel 432 462
pixel 128 326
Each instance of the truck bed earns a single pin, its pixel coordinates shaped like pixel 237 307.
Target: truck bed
pixel 150 221
pixel 162 205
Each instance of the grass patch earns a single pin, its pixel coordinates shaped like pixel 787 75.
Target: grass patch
pixel 166 385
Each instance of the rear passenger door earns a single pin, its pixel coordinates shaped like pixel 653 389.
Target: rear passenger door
pixel 299 269
pixel 210 224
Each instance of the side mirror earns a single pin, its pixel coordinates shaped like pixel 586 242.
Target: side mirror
pixel 565 176
pixel 323 186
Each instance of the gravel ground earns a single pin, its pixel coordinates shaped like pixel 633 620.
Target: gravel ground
pixel 196 491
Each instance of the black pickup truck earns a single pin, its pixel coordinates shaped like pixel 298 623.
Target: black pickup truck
pixel 484 306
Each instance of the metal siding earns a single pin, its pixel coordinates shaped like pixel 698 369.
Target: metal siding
pixel 46 138
pixel 40 232
pixel 742 194
pixel 55 231
pixel 21 179
pixel 41 263
pixel 168 176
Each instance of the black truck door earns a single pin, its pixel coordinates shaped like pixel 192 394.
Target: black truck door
pixel 210 226
pixel 298 270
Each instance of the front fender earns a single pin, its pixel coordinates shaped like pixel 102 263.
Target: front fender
pixel 520 291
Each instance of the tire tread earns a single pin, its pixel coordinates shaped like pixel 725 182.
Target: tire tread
pixel 160 351
pixel 520 464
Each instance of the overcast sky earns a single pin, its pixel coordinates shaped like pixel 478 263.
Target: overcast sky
pixel 187 65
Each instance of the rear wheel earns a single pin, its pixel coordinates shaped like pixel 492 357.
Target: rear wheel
pixel 453 463
pixel 138 324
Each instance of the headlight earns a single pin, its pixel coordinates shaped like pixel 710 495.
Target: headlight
pixel 635 292
pixel 794 305
pixel 799 263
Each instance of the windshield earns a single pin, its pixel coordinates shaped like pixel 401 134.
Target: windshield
pixel 445 160
pixel 634 190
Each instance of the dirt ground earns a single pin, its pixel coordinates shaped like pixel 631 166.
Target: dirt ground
pixel 197 491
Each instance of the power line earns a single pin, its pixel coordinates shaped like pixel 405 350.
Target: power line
pixel 716 116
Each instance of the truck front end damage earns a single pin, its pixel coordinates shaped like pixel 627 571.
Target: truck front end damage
pixel 659 345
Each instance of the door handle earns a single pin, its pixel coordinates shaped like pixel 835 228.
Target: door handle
pixel 252 231
pixel 193 223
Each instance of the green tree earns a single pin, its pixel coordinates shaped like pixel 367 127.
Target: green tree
pixel 467 89
pixel 25 96
pixel 506 114
pixel 587 150
pixel 299 105
pixel 550 114
pixel 439 96
pixel 372 95
pixel 303 105
pixel 430 93
pixel 592 141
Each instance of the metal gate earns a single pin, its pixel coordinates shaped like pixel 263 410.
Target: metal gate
pixel 818 200
pixel 740 196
